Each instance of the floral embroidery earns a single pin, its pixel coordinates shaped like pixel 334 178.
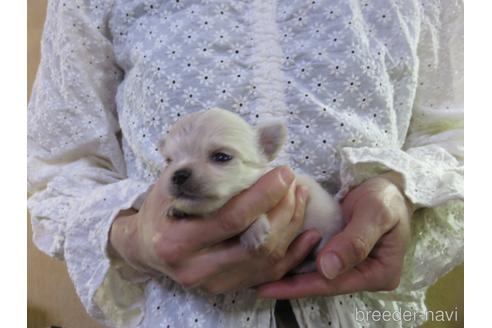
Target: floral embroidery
pixel 355 83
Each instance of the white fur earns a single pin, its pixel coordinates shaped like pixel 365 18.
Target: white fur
pixel 194 138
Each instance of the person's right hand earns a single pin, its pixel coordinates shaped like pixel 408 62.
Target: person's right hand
pixel 205 252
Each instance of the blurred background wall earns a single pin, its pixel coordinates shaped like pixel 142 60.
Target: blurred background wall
pixel 51 298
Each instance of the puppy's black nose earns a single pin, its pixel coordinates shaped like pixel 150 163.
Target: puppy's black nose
pixel 180 176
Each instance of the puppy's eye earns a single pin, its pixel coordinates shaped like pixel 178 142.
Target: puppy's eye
pixel 168 160
pixel 221 157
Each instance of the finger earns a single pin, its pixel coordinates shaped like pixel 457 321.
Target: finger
pixel 229 254
pixel 295 255
pixel 351 246
pixel 299 250
pixel 238 213
pixel 280 216
pixel 306 284
pixel 350 201
pixel 292 230
pixel 279 219
pixel 261 198
pixel 289 232
pixel 211 262
pixel 370 276
pixel 258 271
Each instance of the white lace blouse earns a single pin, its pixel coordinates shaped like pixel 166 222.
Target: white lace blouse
pixel 364 86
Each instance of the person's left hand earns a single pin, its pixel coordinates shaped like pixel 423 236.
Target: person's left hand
pixel 367 255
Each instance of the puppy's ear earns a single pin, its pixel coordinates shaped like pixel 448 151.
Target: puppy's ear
pixel 271 137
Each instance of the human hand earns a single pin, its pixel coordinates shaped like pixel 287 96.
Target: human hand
pixel 205 252
pixel 367 255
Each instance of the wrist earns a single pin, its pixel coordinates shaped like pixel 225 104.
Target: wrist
pixel 123 246
pixel 398 181
pixel 395 178
pixel 122 235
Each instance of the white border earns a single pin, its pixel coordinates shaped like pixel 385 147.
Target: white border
pixel 478 167
pixel 13 243
pixel 478 216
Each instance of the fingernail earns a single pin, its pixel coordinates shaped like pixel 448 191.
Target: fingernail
pixel 330 265
pixel 286 175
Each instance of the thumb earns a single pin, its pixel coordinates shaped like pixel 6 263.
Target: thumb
pixel 348 248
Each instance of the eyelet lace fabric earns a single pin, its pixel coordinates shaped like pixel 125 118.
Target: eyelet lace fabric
pixel 363 86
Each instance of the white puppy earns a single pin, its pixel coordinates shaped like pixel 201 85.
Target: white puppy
pixel 214 155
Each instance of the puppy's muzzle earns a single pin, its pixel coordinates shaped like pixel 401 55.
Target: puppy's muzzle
pixel 181 176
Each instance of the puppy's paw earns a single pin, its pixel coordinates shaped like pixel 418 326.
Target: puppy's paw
pixel 257 233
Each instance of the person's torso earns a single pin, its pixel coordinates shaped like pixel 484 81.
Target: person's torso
pixel 341 73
